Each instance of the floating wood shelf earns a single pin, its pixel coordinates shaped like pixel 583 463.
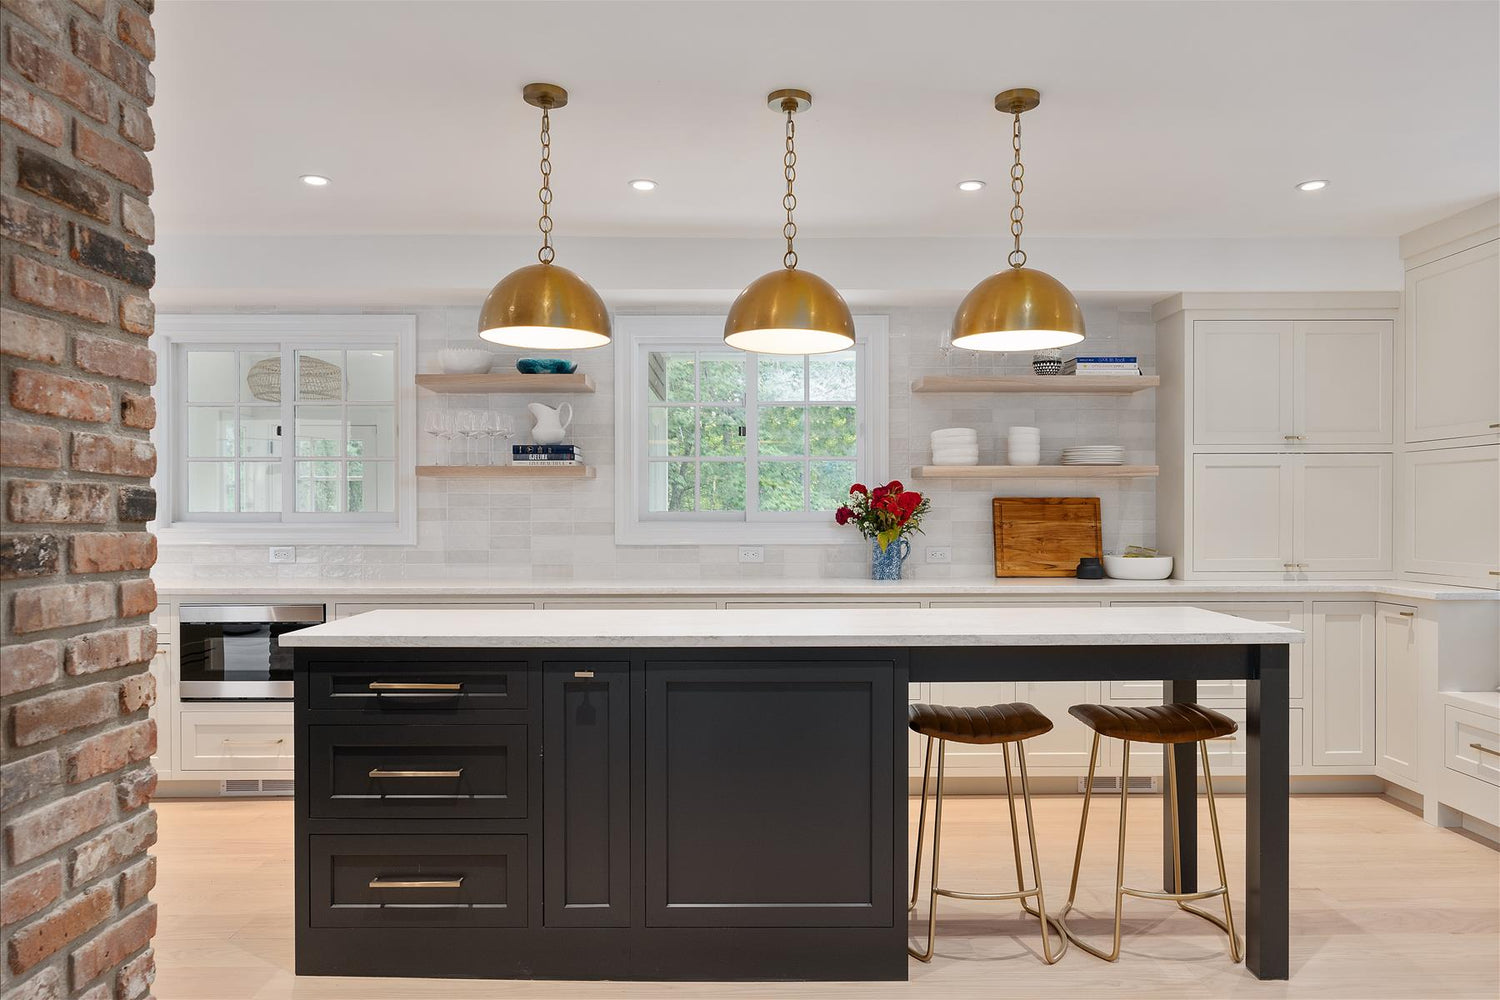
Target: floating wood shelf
pixel 524 470
pixel 1119 384
pixel 1034 471
pixel 506 382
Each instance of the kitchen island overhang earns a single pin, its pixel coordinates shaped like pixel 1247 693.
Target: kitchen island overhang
pixel 686 794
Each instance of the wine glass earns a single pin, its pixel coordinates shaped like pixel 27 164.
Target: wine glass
pixel 439 423
pixel 505 429
pixel 466 423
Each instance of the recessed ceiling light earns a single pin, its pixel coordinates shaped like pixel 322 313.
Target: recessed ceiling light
pixel 315 180
pixel 1313 185
pixel 643 184
pixel 970 185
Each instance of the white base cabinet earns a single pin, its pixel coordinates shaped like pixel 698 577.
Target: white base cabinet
pixel 161 672
pixel 1398 694
pixel 1343 695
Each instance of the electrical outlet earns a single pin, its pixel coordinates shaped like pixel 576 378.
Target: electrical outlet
pixel 939 554
pixel 752 554
pixel 283 554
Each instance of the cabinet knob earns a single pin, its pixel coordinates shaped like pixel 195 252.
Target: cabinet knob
pixel 1295 437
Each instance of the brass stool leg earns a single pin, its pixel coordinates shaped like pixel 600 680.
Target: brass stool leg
pixel 1083 825
pixel 1227 924
pixel 1036 866
pixel 937 849
pixel 916 874
pixel 1120 856
pixel 1015 835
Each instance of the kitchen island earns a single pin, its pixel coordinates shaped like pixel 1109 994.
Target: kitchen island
pixel 689 794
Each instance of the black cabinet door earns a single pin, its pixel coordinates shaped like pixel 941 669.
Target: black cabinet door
pixel 770 794
pixel 586 794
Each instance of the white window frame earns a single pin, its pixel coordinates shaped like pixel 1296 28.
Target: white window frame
pixel 637 336
pixel 304 332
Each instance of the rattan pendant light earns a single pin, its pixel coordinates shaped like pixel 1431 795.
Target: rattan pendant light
pixel 1018 309
pixel 789 311
pixel 544 306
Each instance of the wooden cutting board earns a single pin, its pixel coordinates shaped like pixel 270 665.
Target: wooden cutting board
pixel 1045 536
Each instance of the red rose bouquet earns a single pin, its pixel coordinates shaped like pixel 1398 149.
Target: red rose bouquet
pixel 884 513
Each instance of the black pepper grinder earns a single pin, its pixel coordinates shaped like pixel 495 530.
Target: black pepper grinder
pixel 1090 568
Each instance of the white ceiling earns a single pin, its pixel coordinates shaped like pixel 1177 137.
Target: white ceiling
pixel 1157 119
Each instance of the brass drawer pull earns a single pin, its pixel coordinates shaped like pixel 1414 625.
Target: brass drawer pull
pixel 254 743
pixel 1295 437
pixel 584 674
pixel 1407 614
pixel 383 773
pixel 379 686
pixel 1484 749
pixel 455 882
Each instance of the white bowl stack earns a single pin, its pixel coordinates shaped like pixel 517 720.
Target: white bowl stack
pixel 955 446
pixel 1024 446
pixel 465 360
pixel 1094 454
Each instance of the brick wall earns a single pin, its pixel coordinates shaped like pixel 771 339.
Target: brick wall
pixel 75 462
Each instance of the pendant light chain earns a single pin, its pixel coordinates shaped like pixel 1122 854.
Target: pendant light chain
pixel 1017 257
pixel 789 200
pixel 544 195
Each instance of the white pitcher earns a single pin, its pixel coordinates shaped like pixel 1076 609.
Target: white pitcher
pixel 551 425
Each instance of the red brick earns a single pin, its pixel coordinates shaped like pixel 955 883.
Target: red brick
pixel 136 881
pixel 61 712
pixel 115 846
pixel 35 283
pixel 30 893
pixel 110 649
pixel 35 338
pixel 120 161
pixel 112 552
pixel 137 597
pixel 27 666
pixel 134 29
pixel 47 984
pixel 28 778
pixel 25 223
pixel 29 113
pixel 31 446
pixel 25 557
pixel 40 14
pixel 135 504
pixel 115 358
pixel 113 456
pixel 114 946
pixel 99 991
pixel 47 936
pixel 138 219
pixel 56 75
pixel 113 256
pixel 51 826
pixel 35 502
pixel 137 410
pixel 68 186
pixel 135 123
pixel 137 315
pixel 114 61
pixel 60 396
pixel 135 789
pixel 94 7
pixel 37 609
pixel 136 976
pixel 111 751
pixel 137 691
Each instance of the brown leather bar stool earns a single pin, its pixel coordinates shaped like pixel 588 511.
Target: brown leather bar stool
pixel 1003 724
pixel 1160 724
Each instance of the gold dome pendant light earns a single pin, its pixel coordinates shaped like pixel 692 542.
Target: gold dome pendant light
pixel 1020 309
pixel 544 306
pixel 789 311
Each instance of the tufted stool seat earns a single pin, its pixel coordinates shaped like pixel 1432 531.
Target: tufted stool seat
pixel 1178 723
pixel 980 724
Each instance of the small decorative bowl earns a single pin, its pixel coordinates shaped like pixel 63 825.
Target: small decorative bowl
pixel 1138 567
pixel 1047 362
pixel 546 366
pixel 465 360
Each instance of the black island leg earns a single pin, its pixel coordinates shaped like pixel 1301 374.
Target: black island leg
pixel 1267 786
pixel 1181 760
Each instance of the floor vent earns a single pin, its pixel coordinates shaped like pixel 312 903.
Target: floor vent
pixel 255 786
pixel 1138 783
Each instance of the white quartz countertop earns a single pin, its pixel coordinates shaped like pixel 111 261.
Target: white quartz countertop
pixel 790 628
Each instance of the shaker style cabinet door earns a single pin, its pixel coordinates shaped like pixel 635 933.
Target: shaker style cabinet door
pixel 1397 692
pixel 1342 382
pixel 1453 346
pixel 1242 382
pixel 1242 513
pixel 1342 513
pixel 1450 499
pixel 1343 698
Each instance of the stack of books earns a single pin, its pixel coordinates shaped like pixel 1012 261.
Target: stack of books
pixel 1120 365
pixel 548 454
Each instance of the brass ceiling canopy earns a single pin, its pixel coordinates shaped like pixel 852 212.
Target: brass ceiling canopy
pixel 789 311
pixel 544 306
pixel 1021 309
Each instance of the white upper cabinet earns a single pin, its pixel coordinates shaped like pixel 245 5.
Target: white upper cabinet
pixel 1453 346
pixel 1450 502
pixel 1242 514
pixel 1287 383
pixel 1342 517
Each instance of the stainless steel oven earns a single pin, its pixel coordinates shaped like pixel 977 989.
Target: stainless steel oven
pixel 231 651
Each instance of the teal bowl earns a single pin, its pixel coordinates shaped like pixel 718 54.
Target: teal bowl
pixel 546 366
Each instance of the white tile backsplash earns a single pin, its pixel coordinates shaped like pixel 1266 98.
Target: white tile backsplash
pixel 564 531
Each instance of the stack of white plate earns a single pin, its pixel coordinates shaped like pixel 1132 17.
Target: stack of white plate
pixel 1094 454
pixel 955 446
pixel 1024 446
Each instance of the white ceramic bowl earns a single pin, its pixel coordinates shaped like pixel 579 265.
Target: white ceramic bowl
pixel 465 360
pixel 1138 567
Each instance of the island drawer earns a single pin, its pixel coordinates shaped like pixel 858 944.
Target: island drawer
pixel 432 689
pixel 442 880
pixel 417 771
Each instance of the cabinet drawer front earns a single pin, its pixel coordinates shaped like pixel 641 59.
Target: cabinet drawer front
pixel 387 880
pixel 432 691
pixel 236 741
pixel 450 772
pixel 1471 744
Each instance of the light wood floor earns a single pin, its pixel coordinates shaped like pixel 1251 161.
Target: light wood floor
pixel 1382 906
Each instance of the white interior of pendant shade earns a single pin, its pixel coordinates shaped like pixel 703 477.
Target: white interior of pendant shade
pixel 787 341
pixel 1017 340
pixel 555 338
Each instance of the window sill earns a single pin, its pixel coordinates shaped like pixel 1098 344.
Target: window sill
pixel 384 533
